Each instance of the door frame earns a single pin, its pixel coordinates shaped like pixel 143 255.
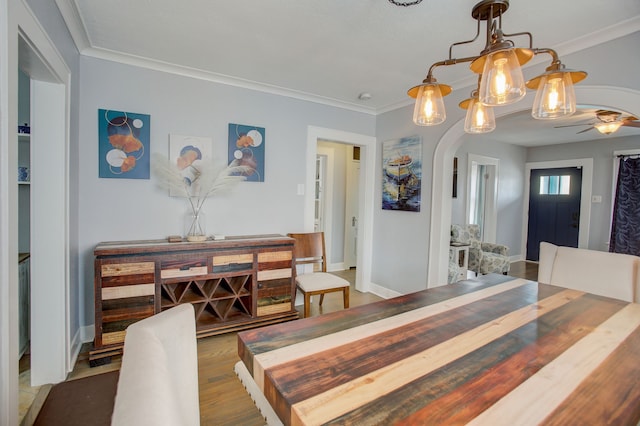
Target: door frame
pixel 27 41
pixel 352 187
pixel 585 201
pixel 491 215
pixel 368 146
pixel 327 196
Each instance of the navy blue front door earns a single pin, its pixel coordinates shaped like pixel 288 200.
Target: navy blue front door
pixel 554 208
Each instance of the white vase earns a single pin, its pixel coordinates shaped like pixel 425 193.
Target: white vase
pixel 195 228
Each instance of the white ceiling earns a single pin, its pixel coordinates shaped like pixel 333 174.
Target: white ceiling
pixel 330 51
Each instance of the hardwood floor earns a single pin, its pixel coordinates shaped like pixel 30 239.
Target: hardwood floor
pixel 524 269
pixel 223 399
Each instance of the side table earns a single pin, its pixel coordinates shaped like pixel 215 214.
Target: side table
pixel 461 255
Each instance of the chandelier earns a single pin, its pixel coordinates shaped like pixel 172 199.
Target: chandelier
pixel 500 79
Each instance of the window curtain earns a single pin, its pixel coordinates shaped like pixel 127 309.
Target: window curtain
pixel 625 228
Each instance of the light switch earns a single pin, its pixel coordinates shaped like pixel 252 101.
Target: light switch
pixel 596 198
pixel 301 189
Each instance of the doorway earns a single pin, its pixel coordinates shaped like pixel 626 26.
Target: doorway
pixel 364 231
pixel 483 195
pixel 554 208
pixel 50 340
pixel 336 201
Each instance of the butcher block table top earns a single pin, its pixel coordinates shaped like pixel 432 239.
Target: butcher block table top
pixel 494 351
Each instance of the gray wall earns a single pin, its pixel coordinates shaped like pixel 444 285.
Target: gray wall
pixel 602 153
pixel 510 188
pixel 125 209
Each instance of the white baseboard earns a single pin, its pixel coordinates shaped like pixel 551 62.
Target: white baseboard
pixel 87 333
pixel 516 258
pixel 76 345
pixel 333 267
pixel 383 292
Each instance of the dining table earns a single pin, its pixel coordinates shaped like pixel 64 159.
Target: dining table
pixel 494 350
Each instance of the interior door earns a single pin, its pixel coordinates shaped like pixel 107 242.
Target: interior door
pixel 554 208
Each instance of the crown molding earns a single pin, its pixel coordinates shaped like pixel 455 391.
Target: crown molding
pixel 73 20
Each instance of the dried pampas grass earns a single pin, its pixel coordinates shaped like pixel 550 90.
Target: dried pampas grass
pixel 207 179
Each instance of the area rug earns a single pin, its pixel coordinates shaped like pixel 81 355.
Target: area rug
pixel 86 401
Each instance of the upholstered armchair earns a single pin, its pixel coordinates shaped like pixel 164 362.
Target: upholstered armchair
pixel 454 268
pixel 484 258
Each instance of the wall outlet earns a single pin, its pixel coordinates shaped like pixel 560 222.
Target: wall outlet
pixel 596 198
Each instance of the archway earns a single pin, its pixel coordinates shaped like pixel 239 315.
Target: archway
pixel 605 96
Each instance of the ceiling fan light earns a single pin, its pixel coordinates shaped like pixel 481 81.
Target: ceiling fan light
pixel 429 107
pixel 608 128
pixel 555 97
pixel 480 118
pixel 502 82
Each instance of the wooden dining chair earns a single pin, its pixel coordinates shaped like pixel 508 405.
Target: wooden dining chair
pixel 310 249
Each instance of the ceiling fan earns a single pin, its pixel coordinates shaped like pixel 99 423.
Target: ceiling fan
pixel 607 122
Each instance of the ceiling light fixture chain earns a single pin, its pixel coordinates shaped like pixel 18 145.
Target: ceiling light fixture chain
pixel 405 3
pixel 499 67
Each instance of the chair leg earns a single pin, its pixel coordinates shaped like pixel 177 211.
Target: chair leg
pixel 307 305
pixel 321 298
pixel 345 297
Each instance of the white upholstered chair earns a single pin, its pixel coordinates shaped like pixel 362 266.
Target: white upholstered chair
pixel 606 274
pixel 158 383
pixel 310 250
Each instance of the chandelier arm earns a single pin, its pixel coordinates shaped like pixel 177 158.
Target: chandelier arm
pixel 448 62
pixel 464 42
pixel 553 53
pixel 528 34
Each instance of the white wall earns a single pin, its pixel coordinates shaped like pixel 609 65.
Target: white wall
pixel 126 209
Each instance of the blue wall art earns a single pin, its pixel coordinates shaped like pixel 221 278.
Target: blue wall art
pixel 246 146
pixel 123 140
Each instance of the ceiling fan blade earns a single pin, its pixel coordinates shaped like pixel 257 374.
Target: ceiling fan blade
pixel 585 130
pixel 574 125
pixel 631 123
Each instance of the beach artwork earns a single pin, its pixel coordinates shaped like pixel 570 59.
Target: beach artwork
pixel 402 174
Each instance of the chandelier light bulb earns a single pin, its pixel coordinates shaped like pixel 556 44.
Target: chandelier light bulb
pixel 555 97
pixel 429 108
pixel 502 82
pixel 480 118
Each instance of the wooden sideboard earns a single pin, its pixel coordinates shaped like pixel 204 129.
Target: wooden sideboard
pixel 233 284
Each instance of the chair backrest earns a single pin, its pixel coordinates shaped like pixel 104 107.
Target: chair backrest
pixel 310 249
pixel 465 234
pixel 158 381
pixel 602 273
